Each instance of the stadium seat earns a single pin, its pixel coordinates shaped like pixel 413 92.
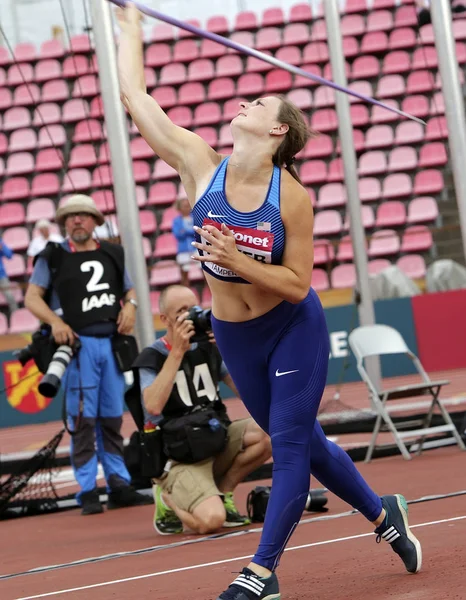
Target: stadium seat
pixel 6 99
pixel 201 70
pixel 163 33
pixel 86 86
pixel 154 297
pixel 360 87
pixel 319 147
pixel 46 70
pixel 324 120
pixel 104 200
pixel 11 214
pixel 323 252
pixel 218 24
pixel 402 158
pixel 391 214
pixel 141 171
pixel 327 222
pixel 409 132
pixel 246 38
pixel 315 52
pixel 427 182
pixel 208 134
pixel 367 217
pixel 290 55
pixel 140 149
pixel 45 184
pixel 319 31
pixel 365 67
pixel 396 62
pixel 2 77
pixel 16 238
pixel 147 222
pixel 437 104
pixel 80 44
pixel 221 89
pixel 55 91
pixel 16 118
pixel 49 159
pixel 437 128
pixel 46 114
pixel 3 143
pixel 207 114
pixel 167 218
pixel 324 96
pixel 331 195
pixel 162 193
pixel 300 13
pixel 390 86
pixel 402 38
pixel 83 155
pixel 89 130
pixel 76 180
pixel 384 243
pixel 19 74
pixel 374 42
pixel 246 20
pixel 422 210
pixel 379 20
pixel 51 135
pixel 416 238
pixel 412 265
pixel 374 267
pixel 459 29
pixel 352 25
pixel 372 163
pixel 257 65
pixel 22 321
pixel 158 55
pixel 165 246
pixel 165 96
pixel 301 98
pixel 416 105
pixel 345 249
pixel 350 47
pixel 75 110
pixel 420 82
pixel 319 280
pixel 433 154
pixel 16 188
pixel 268 38
pixel 185 51
pixel 102 176
pixel 229 65
pixel 313 171
pixel 211 49
pixel 272 16
pixel 191 93
pixel 5 58
pixel 379 136
pixel 146 248
pixel 296 33
pixel 75 66
pixel 396 185
pixel 335 170
pixel 369 189
pixel 343 276
pixel 183 33
pixel 302 81
pixel 163 171
pixel 51 49
pixel 22 140
pixel 172 74
pixel 181 116
pixel 406 16
pixel 278 81
pixel 165 274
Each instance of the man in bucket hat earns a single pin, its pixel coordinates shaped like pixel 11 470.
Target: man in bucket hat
pixel 80 288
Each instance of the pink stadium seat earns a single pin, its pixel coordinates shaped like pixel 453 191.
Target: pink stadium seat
pixel 406 16
pixel 319 147
pixel 417 238
pixel 301 81
pixel 52 49
pixel 102 176
pixel 140 149
pixel 327 222
pixel 22 321
pixel 425 57
pixel 319 31
pixel 396 185
pixel 185 51
pixel 218 24
pixel 268 38
pixel 416 105
pixel 191 93
pixel 412 265
pixel 367 216
pixel 20 163
pixel 162 193
pixel 147 248
pixel 350 47
pixel 165 246
pixel 18 74
pixel 420 82
pixel 165 96
pixel 208 134
pixel 429 181
pixel 76 180
pixel 246 20
pixel 75 110
pixel 80 44
pixel 278 81
pixel 313 171
pixel 167 218
pixel 296 33
pixel 147 222
pixel 201 70
pixel 323 252
pixel 372 163
pixel 377 265
pixel 352 25
pixel 75 66
pixel 345 249
pixel 163 275
pixel 3 143
pixel 335 170
pixel 315 52
pixel 5 99
pixel 89 130
pixel 182 33
pixel 402 158
pixel 319 280
pixel 272 16
pixel 45 184
pixel 51 135
pixel 396 62
pixel 210 49
pixel 83 155
pixel 242 37
pixel 181 116
pixel 365 67
pixel 47 69
pixel 409 132
pixel 104 154
pixel 459 29
pixel 163 171
pixel 426 34
pixel 15 118
pixel 437 129
pixel 360 87
pixel 2 77
pixel 358 141
pixel 257 65
pixel 331 195
pixel 379 20
pixel 301 98
pixel 402 38
pixel 158 55
pixel 379 136
pixel 221 89
pixel 369 189
pixel 5 58
pixel 300 13
pixel 150 77
pixel 163 33
pixel 391 214
pixel 384 243
pixel 328 71
pixel 390 86
pixel 141 171
pixel 172 74
pixel 359 115
pixel 324 120
pixel 55 91
pixel 324 96
pixel 289 54
pixel 343 276
pixel 422 210
pixel 207 114
pixel 105 200
pixel 11 214
pixel 374 42
pixel 437 104
pixel 22 139
pixel 85 87
pixel 16 238
pixel 229 66
pixel 433 154
pixel 16 188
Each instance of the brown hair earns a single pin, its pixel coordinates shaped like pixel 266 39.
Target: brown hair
pixel 295 139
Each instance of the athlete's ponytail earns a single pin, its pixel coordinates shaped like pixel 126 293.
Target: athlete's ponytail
pixel 295 139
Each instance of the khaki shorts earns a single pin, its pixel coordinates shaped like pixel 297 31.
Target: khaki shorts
pixel 189 485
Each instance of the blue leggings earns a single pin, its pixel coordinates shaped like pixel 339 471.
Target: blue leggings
pixel 279 364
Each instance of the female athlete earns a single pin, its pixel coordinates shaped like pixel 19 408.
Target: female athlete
pixel 254 223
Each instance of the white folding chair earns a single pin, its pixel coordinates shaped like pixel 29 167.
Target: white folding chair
pixel 377 340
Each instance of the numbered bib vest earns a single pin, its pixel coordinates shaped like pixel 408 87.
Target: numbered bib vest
pixel 89 284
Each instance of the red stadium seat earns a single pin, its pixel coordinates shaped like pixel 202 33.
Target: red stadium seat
pixel 416 105
pixel 268 38
pixel 47 70
pixel 51 49
pixel 218 24
pixel 18 74
pixel 104 154
pixel 207 114
pixel 422 210
pixel 396 186
pixel 75 110
pixel 437 104
pixel 402 38
pixel 367 216
pixel 374 42
pixel 104 200
pixel 278 81
pixel 3 143
pixel 313 171
pixel 208 134
pixel 390 86
pixel 301 98
pixel 55 91
pixel 88 131
pixel 350 47
pixel 402 158
pixel 82 156
pixel 163 171
pixel 162 193
pixel 331 195
pixel 191 93
pixel 384 243
pixel 163 33
pixel 246 20
pixel 352 25
pixel 300 13
pixel 319 31
pixel 369 189
pixel 420 82
pixel 433 154
pixel 147 222
pixel 80 44
pixel 250 84
pixel 379 136
pixel 140 149
pixel 76 180
pixel 396 62
pixel 372 163
pixel 181 116
pixel 409 132
pixel 319 147
pixel 52 135
pixel 183 33
pixel 379 20
pixel 412 265
pixel 16 188
pixel 158 55
pixel 272 16
pixel 296 33
pixel 327 222
pixel 365 66
pixel 15 118
pixel 147 249
pixel 425 57
pixel 426 34
pixel 328 71
pixel 16 238
pixel 343 276
pixel 11 214
pixel 246 38
pixel 290 55
pixel 201 70
pixel 86 86
pixel 257 65
pixel 391 214
pixel 427 182
pixel 5 98
pixel 165 96
pixel 437 129
pixel 355 6
pixel 324 120
pixel 417 238
pixel 211 49
pixel 302 81
pixel 20 163
pixel 406 16
pixel 75 66
pixel 172 74
pixel 185 51
pixel 45 184
pixel 167 218
pixel 324 96
pixel 323 252
pixel 165 246
pixel 22 139
pixel 315 52
pixel 319 280
pixel 22 321
pixel 229 66
pixel 102 176
pixel 164 275
pixel 345 249
pixel 377 265
pixel 335 170
pixel 359 115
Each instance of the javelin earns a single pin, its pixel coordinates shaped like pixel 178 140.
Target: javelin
pixel 264 57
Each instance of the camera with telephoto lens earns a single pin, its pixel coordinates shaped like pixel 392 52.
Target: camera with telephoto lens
pixel 40 350
pixel 201 319
pixel 61 359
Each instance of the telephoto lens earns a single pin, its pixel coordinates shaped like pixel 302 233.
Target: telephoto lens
pixel 51 381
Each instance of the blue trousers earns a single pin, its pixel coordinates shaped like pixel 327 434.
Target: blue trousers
pixel 279 364
pixel 97 431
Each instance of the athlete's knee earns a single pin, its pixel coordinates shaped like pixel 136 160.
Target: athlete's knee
pixel 210 516
pixel 257 437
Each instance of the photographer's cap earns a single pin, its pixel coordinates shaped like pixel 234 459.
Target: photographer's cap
pixel 76 204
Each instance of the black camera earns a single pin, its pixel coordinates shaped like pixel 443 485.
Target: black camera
pixel 40 350
pixel 201 319
pixel 61 359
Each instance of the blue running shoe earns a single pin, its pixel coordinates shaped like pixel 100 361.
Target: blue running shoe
pixel 395 530
pixel 249 586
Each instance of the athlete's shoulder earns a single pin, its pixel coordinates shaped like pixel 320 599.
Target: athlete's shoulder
pixel 294 197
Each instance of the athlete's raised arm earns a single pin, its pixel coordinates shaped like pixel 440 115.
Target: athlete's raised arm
pixel 183 150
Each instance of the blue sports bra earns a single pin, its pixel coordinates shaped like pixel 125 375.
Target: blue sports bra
pixel 260 234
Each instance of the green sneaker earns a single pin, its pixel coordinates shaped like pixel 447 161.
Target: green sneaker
pixel 234 519
pixel 166 521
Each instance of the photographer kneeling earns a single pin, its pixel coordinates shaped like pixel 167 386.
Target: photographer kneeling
pixel 179 383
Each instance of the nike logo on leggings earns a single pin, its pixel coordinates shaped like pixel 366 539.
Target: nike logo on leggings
pixel 278 374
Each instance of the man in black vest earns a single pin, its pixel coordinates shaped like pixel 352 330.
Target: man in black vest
pixel 81 289
pixel 175 377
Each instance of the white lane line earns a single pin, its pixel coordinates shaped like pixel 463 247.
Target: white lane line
pixel 222 562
